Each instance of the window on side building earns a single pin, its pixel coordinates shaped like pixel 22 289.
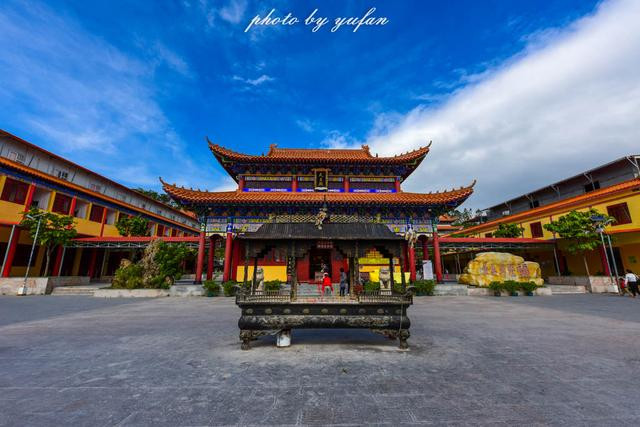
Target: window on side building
pixel 96 213
pixel 15 191
pixel 620 212
pixel 536 229
pixel 61 204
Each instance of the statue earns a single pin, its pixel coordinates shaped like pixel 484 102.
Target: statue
pixel 385 280
pixel 320 217
pixel 260 279
pixel 411 237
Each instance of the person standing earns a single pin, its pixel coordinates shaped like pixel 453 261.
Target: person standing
pixel 631 280
pixel 343 282
pixel 326 281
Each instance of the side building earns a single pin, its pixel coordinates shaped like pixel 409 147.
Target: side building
pixel 31 176
pixel 612 189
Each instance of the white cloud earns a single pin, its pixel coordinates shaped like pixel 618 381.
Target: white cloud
pixel 336 139
pixel 254 82
pixel 306 125
pixel 81 97
pixel 234 11
pixel 569 101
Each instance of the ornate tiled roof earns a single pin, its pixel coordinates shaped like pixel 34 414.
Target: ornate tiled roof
pixel 315 155
pixel 190 196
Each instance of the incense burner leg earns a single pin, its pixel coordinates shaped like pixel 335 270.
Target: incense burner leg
pixel 403 336
pixel 246 337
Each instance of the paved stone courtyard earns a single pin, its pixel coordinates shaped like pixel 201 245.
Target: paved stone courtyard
pixel 562 360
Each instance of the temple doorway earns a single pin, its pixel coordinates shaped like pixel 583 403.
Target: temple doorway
pixel 317 259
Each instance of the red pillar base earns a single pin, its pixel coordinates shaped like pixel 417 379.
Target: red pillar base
pixel 92 263
pixel 412 264
pixel 212 247
pixel 437 263
pixel 200 259
pixel 11 252
pixel 58 262
pixel 227 257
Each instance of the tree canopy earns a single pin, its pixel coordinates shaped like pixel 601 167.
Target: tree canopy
pixel 580 230
pixel 134 226
pixel 508 230
pixel 54 230
pixel 160 197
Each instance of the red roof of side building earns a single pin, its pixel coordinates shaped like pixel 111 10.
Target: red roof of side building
pixel 570 203
pixel 314 155
pixel 240 197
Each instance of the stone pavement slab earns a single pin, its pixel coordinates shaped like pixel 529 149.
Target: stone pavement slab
pixel 564 360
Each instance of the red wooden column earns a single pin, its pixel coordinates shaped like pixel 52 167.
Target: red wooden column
pixel 227 256
pixel 57 263
pixel 603 260
pixel 29 199
pixel 346 184
pixel 397 184
pixel 92 262
pixel 12 245
pixel 103 220
pixel 241 183
pixel 72 206
pixel 412 263
pixel 437 264
pixel 212 248
pixel 425 250
pixel 200 259
pixel 294 184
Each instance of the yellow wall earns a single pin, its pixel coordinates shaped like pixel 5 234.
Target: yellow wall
pixel 11 212
pixel 271 272
pixel 84 226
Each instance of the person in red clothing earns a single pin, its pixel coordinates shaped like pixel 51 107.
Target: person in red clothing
pixel 326 281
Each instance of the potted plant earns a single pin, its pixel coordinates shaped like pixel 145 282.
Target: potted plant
pixel 512 287
pixel 496 287
pixel 529 288
pixel 272 285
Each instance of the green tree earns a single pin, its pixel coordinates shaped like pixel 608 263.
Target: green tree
pixel 54 230
pixel 160 197
pixel 508 230
pixel 579 229
pixel 160 267
pixel 134 226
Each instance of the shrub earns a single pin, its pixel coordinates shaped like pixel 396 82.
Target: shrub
pixel 511 286
pixel 212 288
pixel 229 289
pixel 496 287
pixel 370 286
pixel 169 260
pixel 272 285
pixel 127 276
pixel 424 287
pixel 528 287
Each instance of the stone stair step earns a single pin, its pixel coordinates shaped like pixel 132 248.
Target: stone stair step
pixel 451 290
pixel 567 289
pixel 76 290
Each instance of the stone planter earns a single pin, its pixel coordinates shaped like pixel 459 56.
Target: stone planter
pixel 593 284
pixel 486 292
pixel 131 293
pixel 35 285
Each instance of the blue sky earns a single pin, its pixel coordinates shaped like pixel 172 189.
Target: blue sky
pixel 513 93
